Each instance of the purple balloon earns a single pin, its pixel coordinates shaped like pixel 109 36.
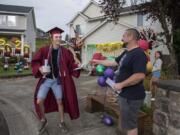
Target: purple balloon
pixel 107 120
pixel 109 72
pixel 102 81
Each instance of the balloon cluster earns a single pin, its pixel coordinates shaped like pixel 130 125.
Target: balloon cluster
pixel 104 73
pixel 144 45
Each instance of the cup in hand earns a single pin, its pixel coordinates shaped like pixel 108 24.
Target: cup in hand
pixel 46 69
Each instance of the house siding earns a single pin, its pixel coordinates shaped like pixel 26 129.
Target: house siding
pixel 30 34
pixel 93 11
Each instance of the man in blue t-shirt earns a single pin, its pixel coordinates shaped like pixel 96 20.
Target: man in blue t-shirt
pixel 129 80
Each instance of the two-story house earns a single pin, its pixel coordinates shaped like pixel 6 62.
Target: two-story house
pixel 18 21
pixel 94 28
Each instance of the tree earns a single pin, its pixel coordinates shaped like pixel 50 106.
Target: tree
pixel 167 12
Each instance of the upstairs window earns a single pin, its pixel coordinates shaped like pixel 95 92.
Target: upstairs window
pixel 8 20
pixel 139 20
pixel 3 20
pixel 11 20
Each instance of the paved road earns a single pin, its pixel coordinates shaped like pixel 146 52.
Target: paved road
pixel 16 106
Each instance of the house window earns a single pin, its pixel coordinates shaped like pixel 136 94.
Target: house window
pixel 2 19
pixel 139 20
pixel 11 20
pixel 78 29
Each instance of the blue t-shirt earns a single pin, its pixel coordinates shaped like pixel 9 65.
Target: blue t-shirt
pixel 133 61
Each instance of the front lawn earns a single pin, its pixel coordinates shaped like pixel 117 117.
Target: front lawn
pixel 11 72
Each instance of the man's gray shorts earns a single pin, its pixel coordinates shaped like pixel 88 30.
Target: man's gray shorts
pixel 129 110
pixel 45 87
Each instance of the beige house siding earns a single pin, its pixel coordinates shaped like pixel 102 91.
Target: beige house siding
pixel 93 11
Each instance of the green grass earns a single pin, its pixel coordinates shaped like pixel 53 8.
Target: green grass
pixel 11 72
pixel 41 42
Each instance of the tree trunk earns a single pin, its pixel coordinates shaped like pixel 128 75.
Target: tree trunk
pixel 173 66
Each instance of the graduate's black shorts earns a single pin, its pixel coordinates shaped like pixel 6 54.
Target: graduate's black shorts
pixel 129 110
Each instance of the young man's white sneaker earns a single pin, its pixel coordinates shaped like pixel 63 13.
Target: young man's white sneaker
pixel 63 127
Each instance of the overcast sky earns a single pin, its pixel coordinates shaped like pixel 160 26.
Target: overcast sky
pixel 50 13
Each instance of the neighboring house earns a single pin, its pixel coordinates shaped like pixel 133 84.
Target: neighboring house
pixel 41 34
pixel 18 21
pixel 94 28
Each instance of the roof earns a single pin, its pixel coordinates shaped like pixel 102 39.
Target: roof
pixel 40 30
pixel 15 9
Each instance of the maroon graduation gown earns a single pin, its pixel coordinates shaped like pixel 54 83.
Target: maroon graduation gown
pixel 67 64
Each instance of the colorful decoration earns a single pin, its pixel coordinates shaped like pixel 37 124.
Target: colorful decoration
pixel 149 67
pixel 18 43
pixel 109 72
pixel 26 51
pixel 100 70
pixel 2 41
pixel 143 44
pixel 109 47
pixel 7 50
pixel 97 56
pixel 150 36
pixel 147 52
pixel 102 81
pixel 19 67
pixel 111 58
pixel 107 120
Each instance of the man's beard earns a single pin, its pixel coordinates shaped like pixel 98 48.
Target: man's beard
pixel 125 44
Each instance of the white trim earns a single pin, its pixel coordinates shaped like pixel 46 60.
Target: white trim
pixel 82 11
pixel 15 13
pixel 94 29
pixel 126 24
pixel 90 2
pixel 22 45
pixel 9 32
pixel 78 14
pixel 96 18
pixel 102 24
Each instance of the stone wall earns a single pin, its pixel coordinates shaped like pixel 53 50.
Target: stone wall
pixel 167 108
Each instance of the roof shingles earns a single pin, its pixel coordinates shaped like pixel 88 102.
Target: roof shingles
pixel 16 9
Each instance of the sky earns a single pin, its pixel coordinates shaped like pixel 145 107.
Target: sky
pixel 50 13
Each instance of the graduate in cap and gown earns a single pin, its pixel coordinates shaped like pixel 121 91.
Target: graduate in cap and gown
pixel 55 91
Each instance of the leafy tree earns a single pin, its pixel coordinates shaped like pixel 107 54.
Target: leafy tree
pixel 167 12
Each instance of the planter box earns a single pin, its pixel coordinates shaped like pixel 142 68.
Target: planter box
pixel 95 103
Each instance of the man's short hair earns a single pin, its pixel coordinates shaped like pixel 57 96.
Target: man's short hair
pixel 134 32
